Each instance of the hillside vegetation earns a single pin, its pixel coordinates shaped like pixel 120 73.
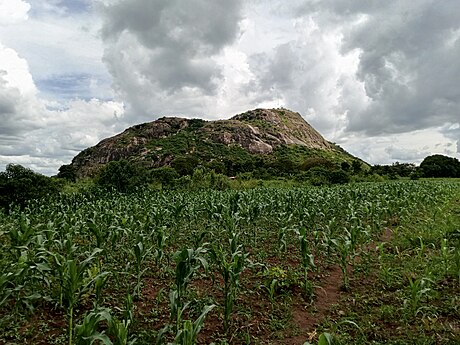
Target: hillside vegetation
pixel 262 142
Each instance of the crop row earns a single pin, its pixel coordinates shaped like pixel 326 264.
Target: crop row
pixel 90 254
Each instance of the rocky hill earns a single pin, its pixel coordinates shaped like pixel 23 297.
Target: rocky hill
pixel 261 136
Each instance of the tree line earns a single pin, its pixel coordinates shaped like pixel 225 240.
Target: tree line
pixel 19 185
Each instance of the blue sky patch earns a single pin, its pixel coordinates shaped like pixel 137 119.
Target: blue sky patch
pixel 68 86
pixel 69 7
pixel 76 6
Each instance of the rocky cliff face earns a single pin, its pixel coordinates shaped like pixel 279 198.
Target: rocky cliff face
pixel 157 143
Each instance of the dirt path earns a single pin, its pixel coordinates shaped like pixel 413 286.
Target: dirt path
pixel 326 295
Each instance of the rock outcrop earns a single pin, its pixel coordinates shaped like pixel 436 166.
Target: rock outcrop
pixel 157 143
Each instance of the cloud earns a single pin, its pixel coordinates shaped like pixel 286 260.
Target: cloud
pixel 59 45
pixel 13 11
pixel 411 147
pixel 167 48
pixel 40 138
pixel 408 53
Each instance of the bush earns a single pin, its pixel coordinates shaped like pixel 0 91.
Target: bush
pixel 67 172
pixel 313 162
pixel 184 165
pixel 165 175
pixel 318 176
pixel 122 176
pixel 19 185
pixel 339 177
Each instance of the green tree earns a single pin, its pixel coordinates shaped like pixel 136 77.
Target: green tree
pixel 440 166
pixel 165 175
pixel 122 176
pixel 312 162
pixel 185 165
pixel 68 172
pixel 19 185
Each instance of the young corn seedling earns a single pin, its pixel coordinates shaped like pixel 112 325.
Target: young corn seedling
pixel 100 279
pixel 343 247
pixel 324 339
pixel 418 289
pixel 445 253
pixel 271 290
pixel 74 282
pixel 307 260
pixel 88 331
pixel 141 253
pixel 161 239
pixel 188 262
pixel 230 266
pixel 457 260
pixel 188 333
pixel 21 236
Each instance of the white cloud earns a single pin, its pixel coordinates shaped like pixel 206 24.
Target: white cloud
pixel 380 78
pixel 411 147
pixel 13 11
pixel 42 139
pixel 57 46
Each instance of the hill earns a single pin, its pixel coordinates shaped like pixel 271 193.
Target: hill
pixel 260 138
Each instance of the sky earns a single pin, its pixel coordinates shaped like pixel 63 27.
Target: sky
pixel 379 78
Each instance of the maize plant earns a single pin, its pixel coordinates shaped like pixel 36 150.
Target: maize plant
pixel 88 331
pixel 230 266
pixel 74 282
pixel 307 260
pixel 188 262
pixel 418 289
pixel 188 333
pixel 161 239
pixel 343 248
pixel 140 253
pixel 21 236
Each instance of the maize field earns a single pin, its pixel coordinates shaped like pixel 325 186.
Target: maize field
pixel 369 263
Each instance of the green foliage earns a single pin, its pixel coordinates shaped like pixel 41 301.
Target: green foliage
pixel 56 256
pixel 185 165
pixel 67 172
pixel 440 166
pixel 230 264
pixel 394 170
pixel 165 175
pixel 313 162
pixel 319 176
pixel 122 176
pixel 18 185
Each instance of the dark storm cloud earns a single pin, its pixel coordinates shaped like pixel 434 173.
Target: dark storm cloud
pixel 409 53
pixel 168 44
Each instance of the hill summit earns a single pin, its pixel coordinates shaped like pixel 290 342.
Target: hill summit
pixel 246 141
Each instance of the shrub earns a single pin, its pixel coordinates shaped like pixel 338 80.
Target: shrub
pixel 313 162
pixel 67 172
pixel 165 175
pixel 122 176
pixel 185 165
pixel 339 177
pixel 19 185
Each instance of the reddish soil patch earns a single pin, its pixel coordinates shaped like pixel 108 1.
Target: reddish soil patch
pixel 326 295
